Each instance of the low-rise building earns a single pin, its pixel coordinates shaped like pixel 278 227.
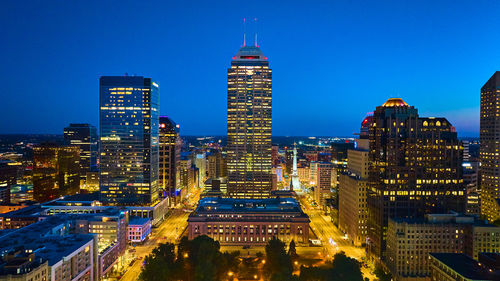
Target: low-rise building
pixel 69 257
pixel 138 229
pixel 249 221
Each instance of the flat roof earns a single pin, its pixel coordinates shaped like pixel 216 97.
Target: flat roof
pixel 137 221
pixel 43 239
pixel 465 266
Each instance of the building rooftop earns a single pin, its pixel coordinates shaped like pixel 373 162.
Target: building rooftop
pixel 233 205
pixel 466 266
pixel 393 102
pixel 137 221
pixel 47 238
pixel 250 53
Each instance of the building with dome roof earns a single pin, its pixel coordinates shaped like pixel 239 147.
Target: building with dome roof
pixel 414 169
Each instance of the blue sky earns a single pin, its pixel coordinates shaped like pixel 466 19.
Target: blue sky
pixel 332 61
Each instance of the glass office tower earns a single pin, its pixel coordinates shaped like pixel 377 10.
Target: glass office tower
pixel 249 114
pixel 128 131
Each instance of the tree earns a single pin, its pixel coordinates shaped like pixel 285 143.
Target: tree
pixel 278 263
pixel 160 264
pixel 345 268
pixel 381 274
pixel 199 259
pixel 292 251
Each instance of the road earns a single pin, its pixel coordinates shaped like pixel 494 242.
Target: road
pixel 168 231
pixel 331 237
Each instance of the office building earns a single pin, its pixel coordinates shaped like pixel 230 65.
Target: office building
pixel 8 178
pixel 129 140
pixel 85 137
pixel 353 211
pixel 138 229
pixel 249 117
pixel 415 168
pixel 69 256
pixel 170 153
pixel 249 221
pixel 216 164
pixel 322 190
pixel 490 148
pixel 56 171
pixel 410 241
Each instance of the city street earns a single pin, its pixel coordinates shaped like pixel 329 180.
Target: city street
pixel 332 239
pixel 169 230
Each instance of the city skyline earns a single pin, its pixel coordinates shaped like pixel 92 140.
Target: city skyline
pixel 327 63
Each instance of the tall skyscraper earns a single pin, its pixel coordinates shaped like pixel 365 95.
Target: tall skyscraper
pixel 249 117
pixel 170 155
pixel 490 148
pixel 129 132
pixel 415 169
pixel 56 171
pixel 85 137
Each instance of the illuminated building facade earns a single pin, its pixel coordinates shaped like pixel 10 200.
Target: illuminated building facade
pixel 248 221
pixel 353 212
pixel 415 168
pixel 323 188
pixel 490 148
pixel 170 155
pixel 56 171
pixel 249 116
pixel 129 140
pixel 410 241
pixel 8 178
pixel 216 164
pixel 85 137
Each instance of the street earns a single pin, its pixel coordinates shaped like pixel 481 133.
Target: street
pixel 332 239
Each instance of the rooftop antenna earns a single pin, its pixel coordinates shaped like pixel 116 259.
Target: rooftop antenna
pixel 244 29
pixel 255 19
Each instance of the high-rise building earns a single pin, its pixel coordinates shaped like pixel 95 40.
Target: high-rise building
pixel 8 178
pixel 322 190
pixel 170 155
pixel 353 212
pixel 216 164
pixel 85 137
pixel 490 148
pixel 129 139
pixel 249 110
pixel 56 171
pixel 415 168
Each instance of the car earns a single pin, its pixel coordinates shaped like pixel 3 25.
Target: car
pixel 246 247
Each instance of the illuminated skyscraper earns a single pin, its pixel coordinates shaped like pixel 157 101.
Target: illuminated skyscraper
pixel 249 114
pixel 85 137
pixel 415 168
pixel 490 148
pixel 129 140
pixel 170 155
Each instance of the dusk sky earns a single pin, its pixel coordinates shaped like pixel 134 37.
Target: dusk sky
pixel 332 61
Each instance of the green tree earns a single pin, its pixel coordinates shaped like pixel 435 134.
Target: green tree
pixel 345 268
pixel 160 264
pixel 381 274
pixel 278 263
pixel 292 251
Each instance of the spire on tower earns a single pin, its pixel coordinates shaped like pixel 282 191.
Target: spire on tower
pixel 244 31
